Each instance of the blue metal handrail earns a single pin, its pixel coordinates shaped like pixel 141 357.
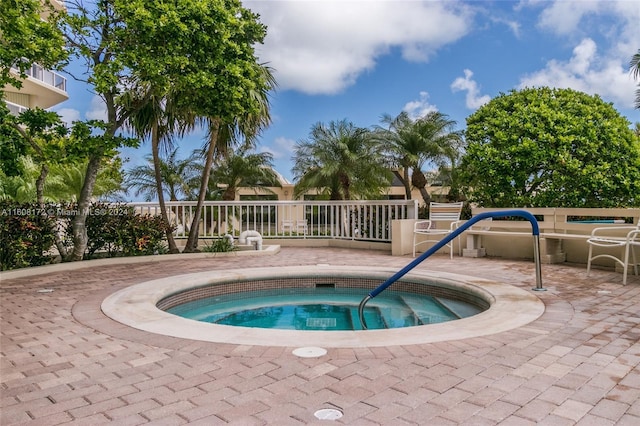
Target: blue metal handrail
pixel 535 232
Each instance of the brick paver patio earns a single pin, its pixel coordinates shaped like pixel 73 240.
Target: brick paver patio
pixel 63 361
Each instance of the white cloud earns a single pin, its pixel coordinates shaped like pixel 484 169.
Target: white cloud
pixel 615 21
pixel 321 47
pixel 69 115
pixel 605 36
pixel 563 17
pixel 473 99
pixel 514 26
pixel 97 110
pixel 587 72
pixel 419 108
pixel 281 148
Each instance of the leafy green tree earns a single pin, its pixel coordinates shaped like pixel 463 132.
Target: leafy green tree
pixel 63 183
pixel 45 139
pixel 201 51
pixel 26 38
pixel 412 144
pixel 12 145
pixel 543 147
pixel 66 180
pixel 177 177
pixel 401 144
pixel 449 167
pixel 204 53
pixel 341 160
pixel 21 188
pixel 28 35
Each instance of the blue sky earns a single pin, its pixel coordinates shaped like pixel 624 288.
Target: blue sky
pixel 364 58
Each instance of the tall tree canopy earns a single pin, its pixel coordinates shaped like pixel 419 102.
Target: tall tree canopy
pixel 543 147
pixel 202 52
pixel 27 38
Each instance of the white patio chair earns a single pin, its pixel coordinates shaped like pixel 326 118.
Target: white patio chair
pixel 286 226
pixel 432 230
pixel 301 226
pixel 615 237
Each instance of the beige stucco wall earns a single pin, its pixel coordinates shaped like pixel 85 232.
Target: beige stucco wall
pixel 521 246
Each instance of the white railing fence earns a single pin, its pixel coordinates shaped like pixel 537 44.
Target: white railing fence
pixel 48 77
pixel 356 220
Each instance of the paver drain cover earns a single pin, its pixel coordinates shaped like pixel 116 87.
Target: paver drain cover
pixel 328 414
pixel 309 352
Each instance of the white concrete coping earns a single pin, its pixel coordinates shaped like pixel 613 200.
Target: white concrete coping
pixel 135 306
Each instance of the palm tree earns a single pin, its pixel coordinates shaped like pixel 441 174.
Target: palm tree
pixel 66 181
pixel 176 176
pixel 152 113
pixel 21 188
pixel 634 68
pixel 223 135
pixel 448 167
pixel 403 145
pixel 242 168
pixel 413 143
pixel 341 160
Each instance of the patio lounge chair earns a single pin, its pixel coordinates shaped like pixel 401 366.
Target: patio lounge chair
pixel 615 237
pixel 433 229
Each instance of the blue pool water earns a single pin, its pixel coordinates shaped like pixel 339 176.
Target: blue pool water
pixel 323 309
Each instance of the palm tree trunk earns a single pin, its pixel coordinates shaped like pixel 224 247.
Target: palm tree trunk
pixel 405 182
pixel 419 180
pixel 155 147
pixel 192 241
pixel 345 183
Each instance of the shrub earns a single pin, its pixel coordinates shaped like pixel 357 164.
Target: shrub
pixel 27 232
pixel 221 245
pixel 118 231
pixel 26 235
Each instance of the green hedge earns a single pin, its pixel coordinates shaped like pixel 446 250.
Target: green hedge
pixel 116 230
pixel 26 235
pixel 28 232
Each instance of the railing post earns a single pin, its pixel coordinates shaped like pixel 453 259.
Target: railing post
pixel 536 258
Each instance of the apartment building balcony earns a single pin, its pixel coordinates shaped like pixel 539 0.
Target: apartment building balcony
pixel 42 88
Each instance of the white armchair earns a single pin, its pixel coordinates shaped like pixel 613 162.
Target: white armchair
pixel 615 237
pixel 430 231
